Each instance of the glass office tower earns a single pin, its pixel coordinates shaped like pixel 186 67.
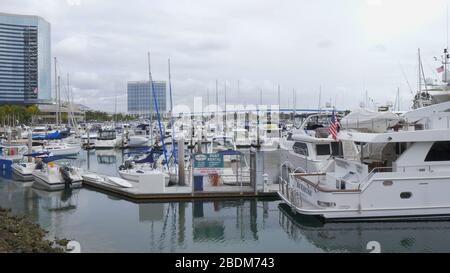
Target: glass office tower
pixel 25 60
pixel 140 98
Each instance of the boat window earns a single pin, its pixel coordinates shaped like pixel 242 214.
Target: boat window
pixel 336 148
pixel 300 148
pixel 323 149
pixel 440 151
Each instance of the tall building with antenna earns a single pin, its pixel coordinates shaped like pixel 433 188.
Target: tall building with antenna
pixel 25 61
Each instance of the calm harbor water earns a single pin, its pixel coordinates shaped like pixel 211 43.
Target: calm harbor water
pixel 103 223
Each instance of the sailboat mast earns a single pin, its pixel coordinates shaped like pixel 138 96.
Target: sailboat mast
pixel 151 90
pixel 157 113
pixel 174 153
pixel 225 118
pixel 59 100
pixel 320 98
pixel 217 104
pixel 56 90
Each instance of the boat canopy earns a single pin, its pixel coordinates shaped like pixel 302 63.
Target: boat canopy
pixel 400 136
pixel 369 121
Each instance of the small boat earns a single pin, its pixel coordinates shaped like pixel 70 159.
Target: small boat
pixel 53 177
pixel 108 180
pixel 41 133
pixel 56 148
pixel 23 171
pixel 135 173
pixel 107 139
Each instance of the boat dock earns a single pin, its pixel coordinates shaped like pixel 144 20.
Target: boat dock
pixel 144 192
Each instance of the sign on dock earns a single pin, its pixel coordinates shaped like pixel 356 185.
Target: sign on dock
pixel 208 163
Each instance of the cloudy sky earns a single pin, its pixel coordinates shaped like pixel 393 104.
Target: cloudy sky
pixel 344 47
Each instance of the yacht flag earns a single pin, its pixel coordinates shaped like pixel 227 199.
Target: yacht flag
pixel 333 126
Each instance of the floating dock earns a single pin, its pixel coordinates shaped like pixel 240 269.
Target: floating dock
pixel 145 192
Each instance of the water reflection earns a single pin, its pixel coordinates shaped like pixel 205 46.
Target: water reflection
pixel 353 237
pixel 64 200
pixel 224 220
pixel 106 156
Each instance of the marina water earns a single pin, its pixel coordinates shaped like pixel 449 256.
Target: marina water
pixel 105 223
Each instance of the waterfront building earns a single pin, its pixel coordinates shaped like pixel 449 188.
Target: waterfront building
pixel 25 60
pixel 48 112
pixel 140 98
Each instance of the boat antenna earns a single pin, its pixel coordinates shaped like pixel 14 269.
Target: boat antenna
pixel 157 112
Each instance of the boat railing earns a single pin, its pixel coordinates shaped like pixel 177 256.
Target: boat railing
pixel 421 168
pixel 368 177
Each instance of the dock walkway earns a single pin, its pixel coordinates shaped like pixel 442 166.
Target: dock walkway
pixel 142 192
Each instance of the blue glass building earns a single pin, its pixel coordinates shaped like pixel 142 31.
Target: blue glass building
pixel 140 97
pixel 25 60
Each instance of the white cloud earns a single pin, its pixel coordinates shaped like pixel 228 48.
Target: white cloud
pixel 297 44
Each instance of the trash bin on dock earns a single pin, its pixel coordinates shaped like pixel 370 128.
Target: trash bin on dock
pixel 198 182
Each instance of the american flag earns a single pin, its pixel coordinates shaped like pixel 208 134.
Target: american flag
pixel 333 126
pixel 440 69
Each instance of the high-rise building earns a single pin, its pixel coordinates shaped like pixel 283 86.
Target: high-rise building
pixel 140 97
pixel 25 60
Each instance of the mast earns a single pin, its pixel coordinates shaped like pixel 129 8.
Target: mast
pixel 157 112
pixel 174 151
pixel 56 90
pixel 279 102
pixel 419 72
pixel 115 107
pixel 225 129
pixel 320 97
pixel 217 104
pixel 59 100
pixel 294 99
pixel 151 90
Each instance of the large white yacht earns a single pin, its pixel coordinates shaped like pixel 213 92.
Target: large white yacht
pixel 403 172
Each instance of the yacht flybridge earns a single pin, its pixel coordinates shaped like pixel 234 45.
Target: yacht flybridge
pixel 403 172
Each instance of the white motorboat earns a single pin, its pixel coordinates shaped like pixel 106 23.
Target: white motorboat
pixel 401 173
pixel 54 177
pixel 140 136
pixel 59 148
pixel 107 139
pixel 23 171
pixel 136 172
pixel 310 148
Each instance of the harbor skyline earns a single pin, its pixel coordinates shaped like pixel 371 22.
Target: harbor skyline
pixel 259 44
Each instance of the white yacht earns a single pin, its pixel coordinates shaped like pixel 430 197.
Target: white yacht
pixel 401 173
